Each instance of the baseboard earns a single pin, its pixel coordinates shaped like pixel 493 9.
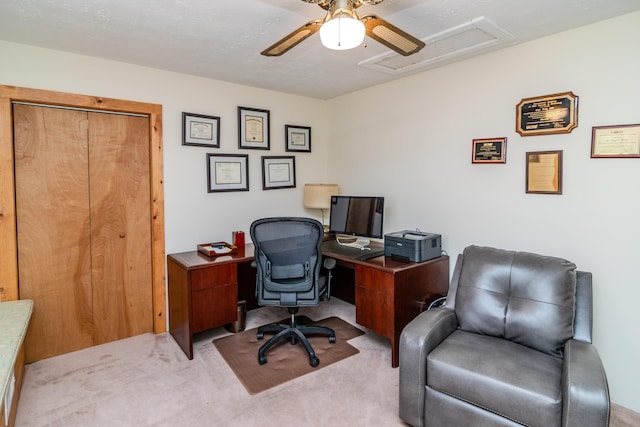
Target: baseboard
pixel 623 417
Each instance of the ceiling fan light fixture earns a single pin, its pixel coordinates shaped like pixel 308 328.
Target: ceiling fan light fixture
pixel 342 29
pixel 342 32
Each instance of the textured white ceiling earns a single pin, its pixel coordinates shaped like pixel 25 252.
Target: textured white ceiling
pixel 222 39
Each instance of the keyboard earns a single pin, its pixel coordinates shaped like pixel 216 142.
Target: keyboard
pixel 355 253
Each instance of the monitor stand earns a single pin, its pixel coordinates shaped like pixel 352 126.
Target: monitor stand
pixel 361 243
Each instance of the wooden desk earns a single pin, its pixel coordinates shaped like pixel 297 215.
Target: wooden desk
pixel 389 293
pixel 203 292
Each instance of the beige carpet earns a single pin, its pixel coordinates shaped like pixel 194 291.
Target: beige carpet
pixel 284 361
pixel 148 381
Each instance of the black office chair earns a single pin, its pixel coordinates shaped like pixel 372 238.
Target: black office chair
pixel 288 262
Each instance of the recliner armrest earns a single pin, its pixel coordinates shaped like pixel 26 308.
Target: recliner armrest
pixel 418 339
pixel 584 386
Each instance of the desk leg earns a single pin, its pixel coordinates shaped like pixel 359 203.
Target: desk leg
pixel 395 351
pixel 179 306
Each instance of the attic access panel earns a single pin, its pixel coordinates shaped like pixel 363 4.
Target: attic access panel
pixel 464 40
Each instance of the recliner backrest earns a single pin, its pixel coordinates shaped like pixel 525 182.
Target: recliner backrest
pixel 524 297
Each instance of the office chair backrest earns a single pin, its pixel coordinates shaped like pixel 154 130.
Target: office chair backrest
pixel 288 260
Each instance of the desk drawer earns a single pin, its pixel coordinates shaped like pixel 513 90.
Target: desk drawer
pixel 211 277
pixel 213 307
pixel 374 310
pixel 375 299
pixel 374 280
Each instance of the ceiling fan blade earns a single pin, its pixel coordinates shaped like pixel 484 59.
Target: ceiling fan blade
pixel 293 39
pixel 391 36
pixel 325 4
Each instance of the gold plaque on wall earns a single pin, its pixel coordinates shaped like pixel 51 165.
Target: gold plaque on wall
pixel 549 114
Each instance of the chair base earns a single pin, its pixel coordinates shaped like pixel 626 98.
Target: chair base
pixel 295 333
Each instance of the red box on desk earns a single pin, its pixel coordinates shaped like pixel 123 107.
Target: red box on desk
pixel 237 237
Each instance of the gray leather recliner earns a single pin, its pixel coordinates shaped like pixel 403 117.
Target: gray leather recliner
pixel 511 346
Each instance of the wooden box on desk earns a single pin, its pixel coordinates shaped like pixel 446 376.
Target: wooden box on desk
pixel 209 249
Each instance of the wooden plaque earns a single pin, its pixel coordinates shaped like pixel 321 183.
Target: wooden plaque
pixel 549 114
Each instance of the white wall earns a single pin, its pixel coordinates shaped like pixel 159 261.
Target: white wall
pixel 192 215
pixel 410 141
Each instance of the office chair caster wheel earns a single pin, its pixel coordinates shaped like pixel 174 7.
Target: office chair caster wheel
pixel 332 340
pixel 262 360
pixel 314 361
pixel 260 335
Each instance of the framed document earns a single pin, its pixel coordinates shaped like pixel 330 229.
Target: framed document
pixel 298 138
pixel 544 172
pixel 201 130
pixel 615 141
pixel 227 172
pixel 253 128
pixel 489 150
pixel 278 172
pixel 543 115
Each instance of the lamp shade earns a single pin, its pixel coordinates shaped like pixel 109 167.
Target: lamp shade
pixel 318 196
pixel 342 32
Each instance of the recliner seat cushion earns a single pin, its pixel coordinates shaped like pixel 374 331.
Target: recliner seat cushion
pixel 520 296
pixel 506 378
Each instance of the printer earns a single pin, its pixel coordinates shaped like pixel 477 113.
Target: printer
pixel 414 246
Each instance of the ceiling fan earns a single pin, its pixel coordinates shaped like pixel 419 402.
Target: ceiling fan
pixel 336 26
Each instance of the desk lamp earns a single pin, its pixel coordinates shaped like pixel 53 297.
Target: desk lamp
pixel 318 196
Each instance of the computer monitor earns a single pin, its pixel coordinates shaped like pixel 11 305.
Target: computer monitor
pixel 357 216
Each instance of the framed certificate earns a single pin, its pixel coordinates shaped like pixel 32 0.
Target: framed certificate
pixel 298 138
pixel 201 130
pixel 544 172
pixel 615 141
pixel 253 128
pixel 549 114
pixel 278 172
pixel 227 172
pixel 489 150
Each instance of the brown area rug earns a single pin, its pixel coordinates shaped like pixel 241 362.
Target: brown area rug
pixel 284 361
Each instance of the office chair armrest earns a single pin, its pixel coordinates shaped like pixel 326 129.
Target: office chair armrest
pixel 255 265
pixel 329 263
pixel 584 386
pixel 418 339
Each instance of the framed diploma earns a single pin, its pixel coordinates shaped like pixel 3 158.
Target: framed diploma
pixel 489 150
pixel 615 141
pixel 227 172
pixel 549 114
pixel 298 138
pixel 200 130
pixel 544 172
pixel 278 172
pixel 253 128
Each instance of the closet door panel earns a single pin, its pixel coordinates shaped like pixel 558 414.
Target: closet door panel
pixel 120 205
pixel 53 228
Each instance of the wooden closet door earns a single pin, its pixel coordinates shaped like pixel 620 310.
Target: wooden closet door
pixel 53 228
pixel 120 203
